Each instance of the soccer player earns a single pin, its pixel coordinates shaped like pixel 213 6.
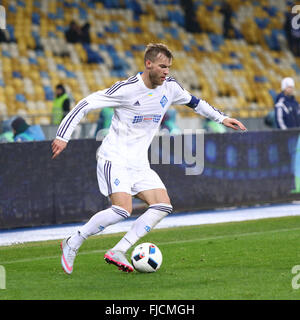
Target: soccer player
pixel 123 169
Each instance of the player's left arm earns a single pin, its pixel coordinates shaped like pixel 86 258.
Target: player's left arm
pixel 183 97
pixel 205 109
pixel 234 124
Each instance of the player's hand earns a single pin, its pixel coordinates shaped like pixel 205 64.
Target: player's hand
pixel 234 124
pixel 57 147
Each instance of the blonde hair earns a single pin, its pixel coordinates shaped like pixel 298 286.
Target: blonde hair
pixel 153 49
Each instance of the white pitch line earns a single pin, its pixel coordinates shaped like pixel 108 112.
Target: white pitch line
pixel 246 234
pixel 175 220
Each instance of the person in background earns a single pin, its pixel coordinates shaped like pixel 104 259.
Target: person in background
pixel 191 23
pixel 85 33
pixel 61 104
pixel 226 10
pixel 24 132
pixel 213 127
pixel 169 122
pixel 77 34
pixel 104 121
pixel 7 134
pixel 3 36
pixel 287 115
pixel 287 109
pixel 73 34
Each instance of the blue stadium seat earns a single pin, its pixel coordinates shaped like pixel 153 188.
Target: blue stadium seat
pixel 20 97
pixel 6 53
pixel 17 74
pixel 36 18
pixel 32 61
pixel 44 74
pixel 49 94
pixel 262 23
pixel 70 74
pixel 216 40
pixel 93 56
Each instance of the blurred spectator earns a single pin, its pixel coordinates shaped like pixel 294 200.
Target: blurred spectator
pixel 76 34
pixel 73 34
pixel 287 109
pixel 24 132
pixel 104 121
pixel 169 122
pixel 288 27
pixel 191 23
pixel 3 37
pixel 85 33
pixel 227 24
pixel 213 127
pixel 292 34
pixel 295 33
pixel 61 104
pixel 6 134
pixel 269 119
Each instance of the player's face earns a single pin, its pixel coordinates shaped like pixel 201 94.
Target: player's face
pixel 289 91
pixel 159 69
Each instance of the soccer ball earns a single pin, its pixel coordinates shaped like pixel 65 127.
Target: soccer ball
pixel 146 257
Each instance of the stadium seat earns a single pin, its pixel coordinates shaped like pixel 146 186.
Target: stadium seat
pixel 241 74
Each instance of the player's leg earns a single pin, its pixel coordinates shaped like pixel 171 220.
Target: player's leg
pixel 159 207
pixel 97 223
pixel 124 201
pixel 120 210
pixel 154 196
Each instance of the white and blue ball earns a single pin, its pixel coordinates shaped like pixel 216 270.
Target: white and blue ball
pixel 146 257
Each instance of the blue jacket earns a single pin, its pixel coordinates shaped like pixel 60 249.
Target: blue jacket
pixel 33 133
pixel 287 112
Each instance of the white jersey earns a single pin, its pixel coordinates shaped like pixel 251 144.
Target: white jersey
pixel 138 112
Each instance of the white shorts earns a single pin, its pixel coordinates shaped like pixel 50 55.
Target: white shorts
pixel 115 178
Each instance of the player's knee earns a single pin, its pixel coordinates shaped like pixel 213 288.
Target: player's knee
pixel 126 207
pixel 164 199
pixel 122 200
pixel 163 209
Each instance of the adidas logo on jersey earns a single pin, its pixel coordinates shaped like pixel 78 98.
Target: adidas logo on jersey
pixel 137 103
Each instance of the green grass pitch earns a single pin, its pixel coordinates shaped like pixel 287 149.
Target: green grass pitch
pixel 244 260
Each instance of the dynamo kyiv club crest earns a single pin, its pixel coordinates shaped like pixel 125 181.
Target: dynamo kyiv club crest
pixel 163 101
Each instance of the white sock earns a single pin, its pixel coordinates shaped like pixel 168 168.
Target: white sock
pixel 97 223
pixel 143 225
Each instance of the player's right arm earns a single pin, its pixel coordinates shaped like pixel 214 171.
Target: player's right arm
pixel 96 100
pixel 57 147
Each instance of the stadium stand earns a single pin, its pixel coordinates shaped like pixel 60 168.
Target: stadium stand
pixel 240 74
